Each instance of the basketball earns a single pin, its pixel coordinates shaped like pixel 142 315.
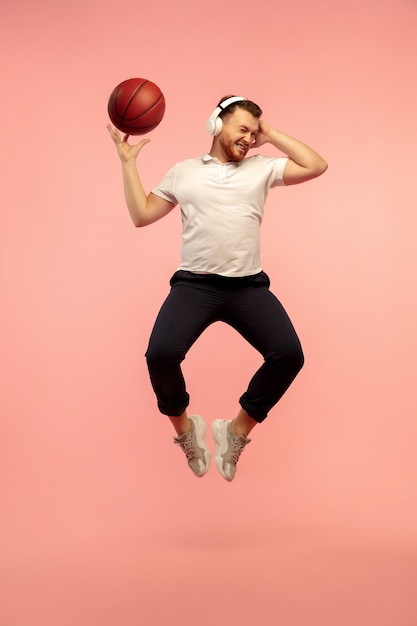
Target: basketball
pixel 136 106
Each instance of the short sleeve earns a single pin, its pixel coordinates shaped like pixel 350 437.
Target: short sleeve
pixel 278 166
pixel 165 188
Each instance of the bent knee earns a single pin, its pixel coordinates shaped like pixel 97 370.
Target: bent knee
pixel 157 356
pixel 292 358
pixel 299 359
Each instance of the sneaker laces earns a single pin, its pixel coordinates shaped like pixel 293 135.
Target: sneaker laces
pixel 238 446
pixel 187 446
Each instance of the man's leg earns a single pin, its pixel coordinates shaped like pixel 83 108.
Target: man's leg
pixel 264 323
pixel 186 312
pixel 260 318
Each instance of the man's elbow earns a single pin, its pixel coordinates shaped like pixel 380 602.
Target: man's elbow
pixel 320 167
pixel 139 222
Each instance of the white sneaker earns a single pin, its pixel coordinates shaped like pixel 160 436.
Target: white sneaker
pixel 228 448
pixel 195 446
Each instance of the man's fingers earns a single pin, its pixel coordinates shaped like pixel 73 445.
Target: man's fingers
pixel 117 138
pixel 142 143
pixel 114 134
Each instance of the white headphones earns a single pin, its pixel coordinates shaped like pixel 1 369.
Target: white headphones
pixel 214 122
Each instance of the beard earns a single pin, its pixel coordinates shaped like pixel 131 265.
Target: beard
pixel 232 151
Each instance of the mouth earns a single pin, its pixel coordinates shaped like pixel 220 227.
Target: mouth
pixel 241 147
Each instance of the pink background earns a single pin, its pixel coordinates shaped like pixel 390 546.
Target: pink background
pixel 102 523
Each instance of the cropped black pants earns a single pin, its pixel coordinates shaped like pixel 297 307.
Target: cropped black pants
pixel 196 301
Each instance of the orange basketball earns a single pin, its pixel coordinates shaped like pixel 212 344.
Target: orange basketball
pixel 136 106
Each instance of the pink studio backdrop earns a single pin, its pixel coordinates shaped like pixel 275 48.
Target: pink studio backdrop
pixel 102 523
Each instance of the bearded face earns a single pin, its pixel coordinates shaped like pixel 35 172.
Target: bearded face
pixel 238 134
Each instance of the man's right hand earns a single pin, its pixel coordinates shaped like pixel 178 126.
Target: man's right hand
pixel 125 150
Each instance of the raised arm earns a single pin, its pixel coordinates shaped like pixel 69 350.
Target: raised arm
pixel 144 209
pixel 303 164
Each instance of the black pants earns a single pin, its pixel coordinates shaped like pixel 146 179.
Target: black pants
pixel 196 301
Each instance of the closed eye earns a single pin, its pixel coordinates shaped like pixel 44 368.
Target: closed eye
pixel 245 129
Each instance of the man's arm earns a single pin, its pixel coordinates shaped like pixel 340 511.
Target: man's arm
pixel 144 209
pixel 303 164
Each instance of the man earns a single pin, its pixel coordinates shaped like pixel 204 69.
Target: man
pixel 220 278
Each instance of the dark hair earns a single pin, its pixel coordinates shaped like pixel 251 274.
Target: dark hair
pixel 247 105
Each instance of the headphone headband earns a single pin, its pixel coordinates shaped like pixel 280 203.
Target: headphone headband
pixel 223 105
pixel 214 122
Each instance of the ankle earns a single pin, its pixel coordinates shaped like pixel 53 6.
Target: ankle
pixel 242 424
pixel 238 429
pixel 181 424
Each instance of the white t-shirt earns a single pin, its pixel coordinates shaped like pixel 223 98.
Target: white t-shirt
pixel 222 207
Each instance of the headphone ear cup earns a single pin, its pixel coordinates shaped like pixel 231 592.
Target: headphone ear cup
pixel 218 125
pixel 214 125
pixel 211 124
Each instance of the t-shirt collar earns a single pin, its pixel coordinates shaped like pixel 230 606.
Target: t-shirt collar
pixel 207 158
